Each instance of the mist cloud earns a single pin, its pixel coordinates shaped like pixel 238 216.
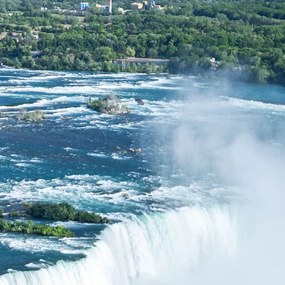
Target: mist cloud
pixel 235 144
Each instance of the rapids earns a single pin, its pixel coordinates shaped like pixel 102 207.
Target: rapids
pixel 202 203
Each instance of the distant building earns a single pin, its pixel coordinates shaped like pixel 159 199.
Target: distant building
pixel 83 5
pixel 105 9
pixel 99 7
pixel 121 10
pixel 56 8
pixel 148 4
pixel 110 6
pixel 137 6
pixel 151 5
pixel 3 35
pixel 157 7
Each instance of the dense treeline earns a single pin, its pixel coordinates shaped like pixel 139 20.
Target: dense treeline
pixel 246 37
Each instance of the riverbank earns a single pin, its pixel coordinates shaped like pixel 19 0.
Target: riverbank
pixel 224 35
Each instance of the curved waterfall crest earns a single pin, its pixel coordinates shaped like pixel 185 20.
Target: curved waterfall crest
pixel 148 247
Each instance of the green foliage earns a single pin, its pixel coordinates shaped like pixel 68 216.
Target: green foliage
pixel 29 227
pixel 14 214
pixel 190 33
pixel 86 217
pixel 62 212
pixel 96 105
pixel 50 212
pixel 53 212
pixel 4 225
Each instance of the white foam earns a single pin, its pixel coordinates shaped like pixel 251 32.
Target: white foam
pixel 97 154
pixel 94 189
pixel 34 244
pixel 33 265
pixel 120 196
pixel 117 156
pixel 67 111
pixel 22 164
pixel 192 194
pixel 46 102
pixel 36 160
pixel 47 76
pixel 85 177
pixel 161 246
pixel 73 189
pixel 10 270
pixel 255 105
pixel 69 149
pixel 82 242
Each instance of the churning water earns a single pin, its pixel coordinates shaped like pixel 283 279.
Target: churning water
pixel 202 203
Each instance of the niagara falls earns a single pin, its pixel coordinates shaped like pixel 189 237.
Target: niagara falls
pixel 191 179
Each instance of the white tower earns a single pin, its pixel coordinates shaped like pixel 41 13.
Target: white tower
pixel 110 6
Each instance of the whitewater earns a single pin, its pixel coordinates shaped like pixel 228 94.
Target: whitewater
pixel 201 204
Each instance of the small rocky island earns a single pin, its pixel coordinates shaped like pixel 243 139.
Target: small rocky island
pixel 110 104
pixel 31 116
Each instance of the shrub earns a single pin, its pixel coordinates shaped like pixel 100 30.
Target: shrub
pixel 4 225
pixel 53 212
pixel 63 212
pixel 30 227
pixel 86 217
pixel 14 214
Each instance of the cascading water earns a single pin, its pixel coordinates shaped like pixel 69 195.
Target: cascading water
pixel 145 250
pixel 204 197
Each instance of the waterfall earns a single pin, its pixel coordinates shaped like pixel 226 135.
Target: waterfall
pixel 148 249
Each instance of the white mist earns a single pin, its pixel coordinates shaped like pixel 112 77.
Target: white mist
pixel 233 142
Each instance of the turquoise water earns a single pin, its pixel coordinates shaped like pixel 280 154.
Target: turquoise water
pixel 200 140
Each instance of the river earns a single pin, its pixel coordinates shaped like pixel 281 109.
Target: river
pixel 201 203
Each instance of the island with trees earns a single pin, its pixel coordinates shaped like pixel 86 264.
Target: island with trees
pixel 29 227
pixel 29 218
pixel 244 37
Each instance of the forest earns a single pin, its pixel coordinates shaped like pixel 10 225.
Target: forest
pixel 244 38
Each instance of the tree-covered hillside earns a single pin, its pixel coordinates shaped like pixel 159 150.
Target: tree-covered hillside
pixel 246 37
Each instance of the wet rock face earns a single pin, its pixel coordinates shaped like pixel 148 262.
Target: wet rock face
pixel 108 105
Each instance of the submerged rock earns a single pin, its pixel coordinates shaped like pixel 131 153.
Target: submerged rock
pixel 108 105
pixel 139 101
